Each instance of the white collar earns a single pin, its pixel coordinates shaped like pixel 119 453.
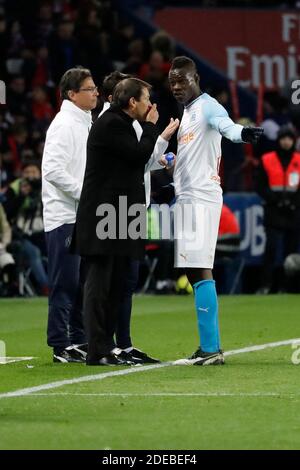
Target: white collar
pixel 192 102
pixel 106 106
pixel 68 106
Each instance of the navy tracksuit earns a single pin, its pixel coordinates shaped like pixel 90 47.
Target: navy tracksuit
pixel 65 272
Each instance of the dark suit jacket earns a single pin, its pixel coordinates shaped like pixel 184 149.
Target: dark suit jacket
pixel 115 167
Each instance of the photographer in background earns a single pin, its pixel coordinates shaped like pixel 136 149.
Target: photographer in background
pixel 23 206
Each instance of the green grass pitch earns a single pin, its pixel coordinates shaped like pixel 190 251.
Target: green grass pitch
pixel 253 402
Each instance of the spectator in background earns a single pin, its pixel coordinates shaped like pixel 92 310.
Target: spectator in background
pixel 5 174
pixel 41 72
pixel 23 206
pixel 42 110
pixel 91 41
pixel 16 40
pixel 63 49
pixel 136 53
pixel 276 115
pixel 165 44
pixel 44 21
pixel 4 43
pixel 16 96
pixel 8 278
pixel 120 43
pixel 278 183
pixel 156 69
pixel 16 143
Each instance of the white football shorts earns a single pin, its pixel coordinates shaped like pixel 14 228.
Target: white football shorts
pixel 196 227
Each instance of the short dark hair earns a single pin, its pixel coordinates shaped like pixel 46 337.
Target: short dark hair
pixel 183 62
pixel 110 82
pixel 32 162
pixel 72 80
pixel 129 88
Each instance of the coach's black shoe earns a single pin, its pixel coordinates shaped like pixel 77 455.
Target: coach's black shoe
pixel 201 358
pixel 67 355
pixel 81 349
pixel 138 354
pixel 109 360
pixel 127 356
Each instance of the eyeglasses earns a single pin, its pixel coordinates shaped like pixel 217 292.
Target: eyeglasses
pixel 91 89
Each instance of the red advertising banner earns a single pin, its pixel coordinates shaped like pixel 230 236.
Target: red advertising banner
pixel 252 47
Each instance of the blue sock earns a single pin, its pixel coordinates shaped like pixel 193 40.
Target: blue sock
pixel 206 304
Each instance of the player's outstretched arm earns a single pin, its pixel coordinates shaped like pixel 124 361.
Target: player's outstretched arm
pixel 217 117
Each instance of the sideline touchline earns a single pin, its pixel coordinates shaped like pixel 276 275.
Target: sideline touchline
pixel 132 370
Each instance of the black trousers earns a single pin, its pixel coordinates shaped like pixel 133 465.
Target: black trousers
pixel 65 320
pixel 103 292
pixel 123 338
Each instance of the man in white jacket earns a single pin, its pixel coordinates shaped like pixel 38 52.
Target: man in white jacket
pixel 125 349
pixel 63 170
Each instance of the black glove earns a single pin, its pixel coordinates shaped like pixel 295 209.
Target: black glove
pixel 252 134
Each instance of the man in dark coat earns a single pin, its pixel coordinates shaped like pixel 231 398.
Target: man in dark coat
pixel 112 188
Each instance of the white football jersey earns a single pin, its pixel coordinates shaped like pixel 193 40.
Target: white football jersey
pixel 196 174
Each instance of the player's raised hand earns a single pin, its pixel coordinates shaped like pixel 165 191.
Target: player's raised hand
pixel 170 129
pixel 252 134
pixel 152 115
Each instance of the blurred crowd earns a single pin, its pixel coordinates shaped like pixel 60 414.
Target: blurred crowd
pixel 39 41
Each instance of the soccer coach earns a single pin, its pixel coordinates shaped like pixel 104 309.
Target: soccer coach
pixel 115 167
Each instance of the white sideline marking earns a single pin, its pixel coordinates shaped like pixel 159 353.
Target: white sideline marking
pixel 85 378
pixel 178 394
pixel 89 378
pixel 8 360
pixel 262 346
